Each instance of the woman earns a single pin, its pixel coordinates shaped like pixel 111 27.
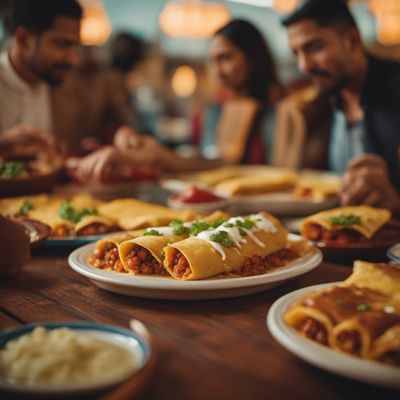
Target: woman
pixel 242 62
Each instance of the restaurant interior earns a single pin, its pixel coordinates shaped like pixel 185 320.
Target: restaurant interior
pixel 199 199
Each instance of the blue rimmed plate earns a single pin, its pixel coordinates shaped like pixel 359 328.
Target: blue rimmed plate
pixel 394 253
pixel 134 342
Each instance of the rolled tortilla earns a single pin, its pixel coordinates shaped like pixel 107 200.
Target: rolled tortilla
pixel 199 258
pixel 106 254
pixel 316 314
pixel 144 255
pixel 95 225
pixel 386 348
pixel 357 334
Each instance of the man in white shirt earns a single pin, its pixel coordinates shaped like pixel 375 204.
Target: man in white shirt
pixel 45 47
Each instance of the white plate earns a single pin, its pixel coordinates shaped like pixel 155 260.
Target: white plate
pixel 324 357
pixel 156 287
pixel 131 341
pixel 282 204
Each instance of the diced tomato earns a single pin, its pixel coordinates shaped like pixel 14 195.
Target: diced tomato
pixel 196 195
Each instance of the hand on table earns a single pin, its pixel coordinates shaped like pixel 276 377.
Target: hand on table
pixel 366 181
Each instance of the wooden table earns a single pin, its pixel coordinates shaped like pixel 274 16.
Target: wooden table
pixel 217 349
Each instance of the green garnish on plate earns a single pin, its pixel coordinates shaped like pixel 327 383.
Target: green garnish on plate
pixel 11 170
pixel 363 307
pixel 27 206
pixel 178 227
pixel 67 212
pixel 345 220
pixel 223 238
pixel 152 232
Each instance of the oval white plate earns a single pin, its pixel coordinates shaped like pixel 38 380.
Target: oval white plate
pixel 394 253
pixel 281 203
pixel 321 356
pixel 155 287
pixel 128 339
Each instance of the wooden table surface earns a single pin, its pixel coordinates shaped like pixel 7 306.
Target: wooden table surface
pixel 218 349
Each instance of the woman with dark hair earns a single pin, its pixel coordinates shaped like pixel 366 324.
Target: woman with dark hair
pixel 242 62
pixel 258 74
pixel 240 130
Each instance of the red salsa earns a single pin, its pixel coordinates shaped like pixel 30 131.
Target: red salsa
pixel 196 195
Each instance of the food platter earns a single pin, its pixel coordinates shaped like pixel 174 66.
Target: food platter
pixel 321 356
pixel 156 287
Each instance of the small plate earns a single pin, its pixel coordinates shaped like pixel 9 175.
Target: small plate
pixel 156 287
pixel 71 242
pixel 324 357
pixel 132 341
pixel 347 254
pixel 394 253
pixel 207 207
pixel 282 204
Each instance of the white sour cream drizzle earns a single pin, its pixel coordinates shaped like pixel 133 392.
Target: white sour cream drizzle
pixel 260 223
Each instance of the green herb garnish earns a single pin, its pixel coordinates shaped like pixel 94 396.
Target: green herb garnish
pixel 246 224
pixel 229 225
pixel 152 232
pixel 69 213
pixel 178 228
pixel 342 219
pixel 223 238
pixel 363 307
pixel 217 223
pixel 199 226
pixel 10 170
pixel 242 232
pixel 25 208
pixel 341 303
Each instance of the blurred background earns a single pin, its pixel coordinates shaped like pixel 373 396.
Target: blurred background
pixel 168 42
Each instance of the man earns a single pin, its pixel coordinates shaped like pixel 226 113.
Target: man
pixel 45 46
pixel 365 96
pixel 41 91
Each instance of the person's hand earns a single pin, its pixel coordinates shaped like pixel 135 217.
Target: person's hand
pixel 24 140
pixel 15 247
pixel 100 166
pixel 126 138
pixel 366 181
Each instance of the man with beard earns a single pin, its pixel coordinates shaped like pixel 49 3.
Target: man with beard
pixel 45 46
pixel 364 93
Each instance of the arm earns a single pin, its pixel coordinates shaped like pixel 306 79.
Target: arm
pixel 366 181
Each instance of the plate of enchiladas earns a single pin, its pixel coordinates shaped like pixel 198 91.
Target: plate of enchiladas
pixel 216 256
pixel 350 328
pixel 349 233
pixel 280 191
pixel 80 219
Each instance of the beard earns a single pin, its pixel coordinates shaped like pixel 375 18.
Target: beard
pixel 333 85
pixel 53 75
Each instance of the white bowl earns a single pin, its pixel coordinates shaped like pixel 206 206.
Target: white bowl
pixel 133 342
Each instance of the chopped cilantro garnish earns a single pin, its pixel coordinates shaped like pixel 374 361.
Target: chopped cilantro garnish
pixel 69 213
pixel 178 228
pixel 242 232
pixel 246 224
pixel 341 303
pixel 363 307
pixel 27 206
pixel 342 219
pixel 151 232
pixel 217 223
pixel 10 170
pixel 223 238
pixel 199 226
pixel 229 225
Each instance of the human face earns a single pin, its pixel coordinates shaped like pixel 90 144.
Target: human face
pixel 323 54
pixel 55 51
pixel 229 63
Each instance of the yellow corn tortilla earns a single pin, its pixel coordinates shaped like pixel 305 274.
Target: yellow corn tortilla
pixel 372 219
pixel 205 261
